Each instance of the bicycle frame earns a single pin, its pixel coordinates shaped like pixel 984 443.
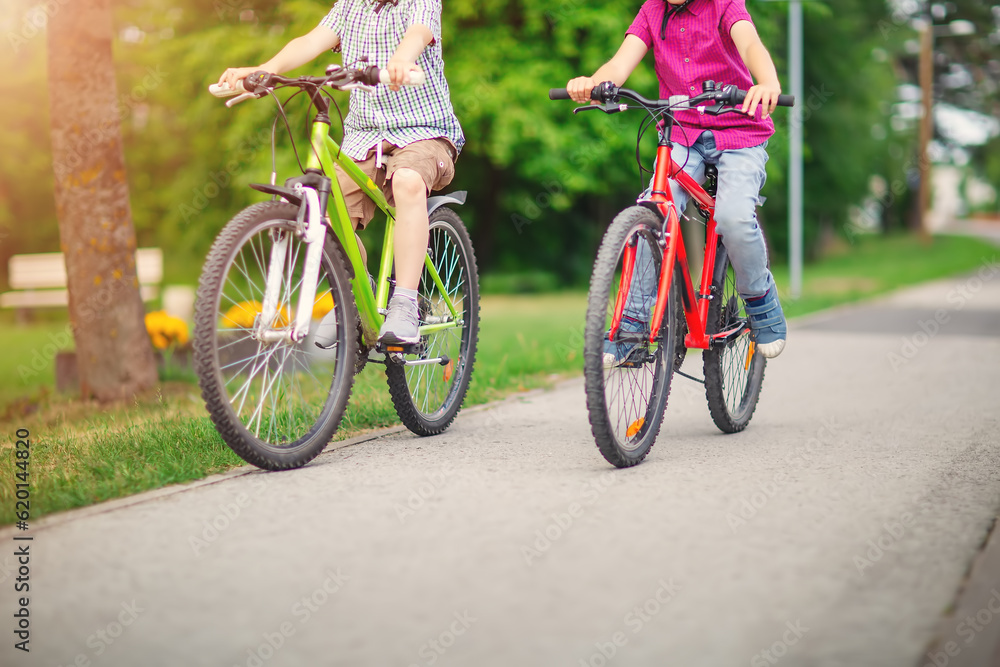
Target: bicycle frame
pixel 324 154
pixel 695 304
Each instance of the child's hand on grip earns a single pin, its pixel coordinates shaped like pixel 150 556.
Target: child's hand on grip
pixel 579 88
pixel 234 75
pixel 399 72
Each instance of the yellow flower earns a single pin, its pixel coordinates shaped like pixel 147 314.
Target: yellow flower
pixel 242 315
pixel 165 330
pixel 322 306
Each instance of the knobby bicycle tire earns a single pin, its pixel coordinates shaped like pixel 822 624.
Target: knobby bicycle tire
pixel 734 372
pixel 625 419
pixel 299 390
pixel 428 398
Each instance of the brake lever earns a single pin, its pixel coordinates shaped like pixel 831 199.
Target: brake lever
pixel 230 103
pixel 610 107
pixel 717 109
pixel 356 85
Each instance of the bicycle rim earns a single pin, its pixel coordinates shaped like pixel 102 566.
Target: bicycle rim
pixel 276 401
pixel 428 396
pixel 628 378
pixel 734 372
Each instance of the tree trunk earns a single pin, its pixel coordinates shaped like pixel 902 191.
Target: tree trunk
pixel 114 355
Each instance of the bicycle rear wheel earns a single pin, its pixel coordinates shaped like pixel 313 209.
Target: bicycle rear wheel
pixel 734 371
pixel 628 379
pixel 427 397
pixel 275 401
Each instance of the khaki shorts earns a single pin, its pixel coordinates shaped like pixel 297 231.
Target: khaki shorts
pixel 433 159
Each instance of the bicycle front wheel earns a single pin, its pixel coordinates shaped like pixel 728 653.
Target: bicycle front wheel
pixel 275 401
pixel 627 377
pixel 734 371
pixel 428 396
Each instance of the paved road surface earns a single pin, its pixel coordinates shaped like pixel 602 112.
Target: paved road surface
pixel 834 531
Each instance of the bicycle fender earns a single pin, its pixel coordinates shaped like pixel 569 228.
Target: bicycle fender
pixel 287 194
pixel 434 203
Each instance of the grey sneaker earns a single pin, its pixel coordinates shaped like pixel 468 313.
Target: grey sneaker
pixel 400 322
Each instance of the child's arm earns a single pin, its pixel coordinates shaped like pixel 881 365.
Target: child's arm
pixel 616 70
pixel 296 53
pixel 759 62
pixel 404 60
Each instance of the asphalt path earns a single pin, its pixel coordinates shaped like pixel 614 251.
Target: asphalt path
pixel 836 530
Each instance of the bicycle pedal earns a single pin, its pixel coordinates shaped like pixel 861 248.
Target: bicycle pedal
pixel 400 349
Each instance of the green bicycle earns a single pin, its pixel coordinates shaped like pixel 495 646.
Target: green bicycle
pixel 286 314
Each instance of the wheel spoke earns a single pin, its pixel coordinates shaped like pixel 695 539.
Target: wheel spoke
pixel 432 389
pixel 733 373
pixel 272 393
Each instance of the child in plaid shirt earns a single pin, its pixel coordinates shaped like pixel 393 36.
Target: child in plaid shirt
pixel 406 139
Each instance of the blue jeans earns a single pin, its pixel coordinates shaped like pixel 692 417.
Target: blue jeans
pixel 741 176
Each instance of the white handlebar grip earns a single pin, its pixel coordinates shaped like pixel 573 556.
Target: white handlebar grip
pixel 413 79
pixel 223 90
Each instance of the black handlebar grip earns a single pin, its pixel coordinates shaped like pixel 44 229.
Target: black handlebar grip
pixel 371 75
pixel 599 93
pixel 739 95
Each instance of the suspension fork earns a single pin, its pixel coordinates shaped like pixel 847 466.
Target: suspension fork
pixel 314 235
pixel 674 243
pixel 625 284
pixel 263 329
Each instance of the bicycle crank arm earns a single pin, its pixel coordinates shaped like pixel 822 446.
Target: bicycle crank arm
pixel 440 361
pixel 726 337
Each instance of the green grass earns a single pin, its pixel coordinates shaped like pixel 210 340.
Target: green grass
pixel 875 265
pixel 83 453
pixel 27 364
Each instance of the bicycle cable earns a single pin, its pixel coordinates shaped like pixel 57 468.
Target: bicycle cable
pixel 340 115
pixel 653 116
pixel 288 128
pixel 321 89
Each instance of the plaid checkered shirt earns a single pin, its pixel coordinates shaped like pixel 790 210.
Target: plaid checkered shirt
pixel 411 113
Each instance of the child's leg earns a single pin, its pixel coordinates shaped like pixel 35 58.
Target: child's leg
pixel 413 171
pixel 741 176
pixel 645 281
pixel 642 294
pixel 410 236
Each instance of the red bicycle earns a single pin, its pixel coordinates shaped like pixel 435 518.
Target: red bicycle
pixel 638 331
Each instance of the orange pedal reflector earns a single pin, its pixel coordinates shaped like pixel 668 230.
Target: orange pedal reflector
pixel 750 351
pixel 635 427
pixel 449 369
pixel 394 349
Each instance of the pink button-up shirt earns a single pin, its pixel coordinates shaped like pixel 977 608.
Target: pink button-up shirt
pixel 698 47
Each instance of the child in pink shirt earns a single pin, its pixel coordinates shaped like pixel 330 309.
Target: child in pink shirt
pixel 695 41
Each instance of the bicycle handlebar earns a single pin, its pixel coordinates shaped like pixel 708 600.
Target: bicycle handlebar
pixel 727 95
pixel 260 81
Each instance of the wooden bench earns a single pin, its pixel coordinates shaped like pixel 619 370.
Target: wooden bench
pixel 40 279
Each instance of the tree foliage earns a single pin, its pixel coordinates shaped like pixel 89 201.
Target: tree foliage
pixel 543 184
